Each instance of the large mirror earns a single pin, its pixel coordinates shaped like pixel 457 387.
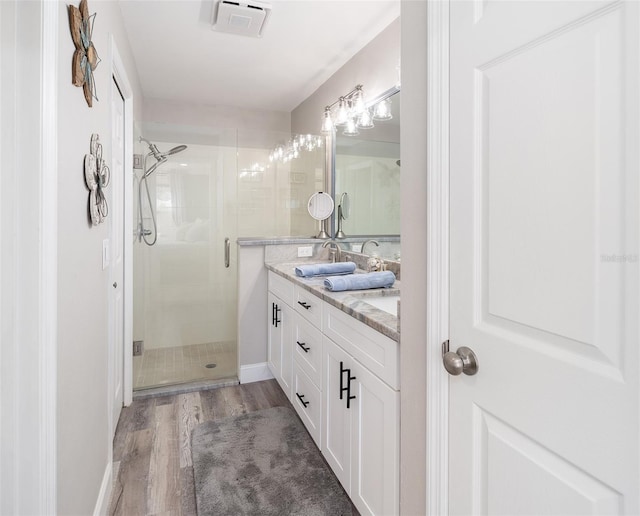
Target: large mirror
pixel 367 169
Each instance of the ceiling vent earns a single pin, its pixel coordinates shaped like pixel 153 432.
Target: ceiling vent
pixel 243 18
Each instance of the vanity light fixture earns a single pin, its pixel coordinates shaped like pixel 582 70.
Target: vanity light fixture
pixel 292 149
pixel 352 111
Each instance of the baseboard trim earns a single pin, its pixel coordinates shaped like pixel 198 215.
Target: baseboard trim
pixel 104 496
pixel 255 373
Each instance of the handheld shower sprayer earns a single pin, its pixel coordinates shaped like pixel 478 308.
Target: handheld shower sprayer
pixel 161 157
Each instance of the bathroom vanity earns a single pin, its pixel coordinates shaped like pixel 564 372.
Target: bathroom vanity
pixel 336 356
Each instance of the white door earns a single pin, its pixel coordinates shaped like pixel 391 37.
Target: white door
pixel 336 418
pixel 116 215
pixel 274 350
pixel 375 435
pixel 544 105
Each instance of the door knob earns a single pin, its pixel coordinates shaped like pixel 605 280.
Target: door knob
pixel 464 360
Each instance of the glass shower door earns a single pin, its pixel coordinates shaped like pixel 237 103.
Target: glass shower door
pixel 185 284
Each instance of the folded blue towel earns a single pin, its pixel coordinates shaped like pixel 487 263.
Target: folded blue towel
pixel 383 279
pixel 325 269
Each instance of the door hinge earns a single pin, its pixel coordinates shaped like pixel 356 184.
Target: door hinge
pixel 138 348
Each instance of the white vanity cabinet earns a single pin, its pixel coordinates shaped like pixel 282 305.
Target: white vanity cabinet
pixel 343 379
pixel 279 351
pixel 361 414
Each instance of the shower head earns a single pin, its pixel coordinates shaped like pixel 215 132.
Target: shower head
pixel 161 156
pixel 175 150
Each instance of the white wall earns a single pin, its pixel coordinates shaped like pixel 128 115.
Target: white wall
pixel 413 151
pixel 214 117
pixel 252 305
pixel 83 440
pixel 375 67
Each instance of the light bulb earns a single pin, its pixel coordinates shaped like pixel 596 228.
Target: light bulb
pixel 342 115
pixel 327 122
pixel 351 129
pixel 358 101
pixel 383 110
pixel 364 120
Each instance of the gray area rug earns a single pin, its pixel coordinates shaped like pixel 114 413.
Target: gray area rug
pixel 262 463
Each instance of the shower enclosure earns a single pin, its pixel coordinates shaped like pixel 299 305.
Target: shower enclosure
pixel 205 191
pixel 184 265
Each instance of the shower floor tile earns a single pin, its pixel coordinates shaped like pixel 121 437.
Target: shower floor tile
pixel 183 364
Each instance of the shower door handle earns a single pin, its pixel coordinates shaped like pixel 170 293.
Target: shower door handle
pixel 227 251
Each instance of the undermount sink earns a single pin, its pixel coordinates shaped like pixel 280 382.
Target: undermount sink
pixel 386 301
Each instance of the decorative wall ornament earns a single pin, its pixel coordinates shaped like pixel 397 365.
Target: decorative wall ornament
pixel 96 176
pixel 85 58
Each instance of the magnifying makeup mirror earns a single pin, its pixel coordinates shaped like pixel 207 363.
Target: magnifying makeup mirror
pixel 320 208
pixel 344 210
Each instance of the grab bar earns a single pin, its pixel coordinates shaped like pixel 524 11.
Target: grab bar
pixel 227 251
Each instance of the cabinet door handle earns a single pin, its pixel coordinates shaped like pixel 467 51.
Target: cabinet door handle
pixel 304 305
pixel 278 320
pixel 342 371
pixel 349 396
pixel 301 344
pixel 227 251
pixel 301 398
pixel 348 387
pixel 273 314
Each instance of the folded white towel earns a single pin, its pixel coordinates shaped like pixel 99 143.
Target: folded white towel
pixel 325 269
pixel 383 279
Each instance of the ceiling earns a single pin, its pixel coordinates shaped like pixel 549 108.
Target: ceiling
pixel 179 57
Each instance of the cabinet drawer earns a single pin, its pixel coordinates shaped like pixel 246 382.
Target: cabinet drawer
pixel 308 402
pixel 309 306
pixel 281 287
pixel 307 348
pixel 372 349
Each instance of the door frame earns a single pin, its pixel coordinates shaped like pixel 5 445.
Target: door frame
pixel 437 256
pixel 119 74
pixel 29 257
pixel 424 149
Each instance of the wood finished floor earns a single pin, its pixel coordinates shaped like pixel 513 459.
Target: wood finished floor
pixel 153 473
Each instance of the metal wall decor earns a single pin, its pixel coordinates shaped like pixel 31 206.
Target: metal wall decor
pixel 85 58
pixel 96 176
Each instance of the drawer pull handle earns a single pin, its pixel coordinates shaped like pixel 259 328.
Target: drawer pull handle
pixel 304 305
pixel 301 344
pixel 300 397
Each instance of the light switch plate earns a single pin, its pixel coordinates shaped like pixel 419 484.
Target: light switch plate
pixel 305 252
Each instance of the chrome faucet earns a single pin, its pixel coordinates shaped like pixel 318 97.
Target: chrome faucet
pixel 335 252
pixel 370 241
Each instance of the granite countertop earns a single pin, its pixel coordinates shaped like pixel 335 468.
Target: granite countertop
pixel 350 302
